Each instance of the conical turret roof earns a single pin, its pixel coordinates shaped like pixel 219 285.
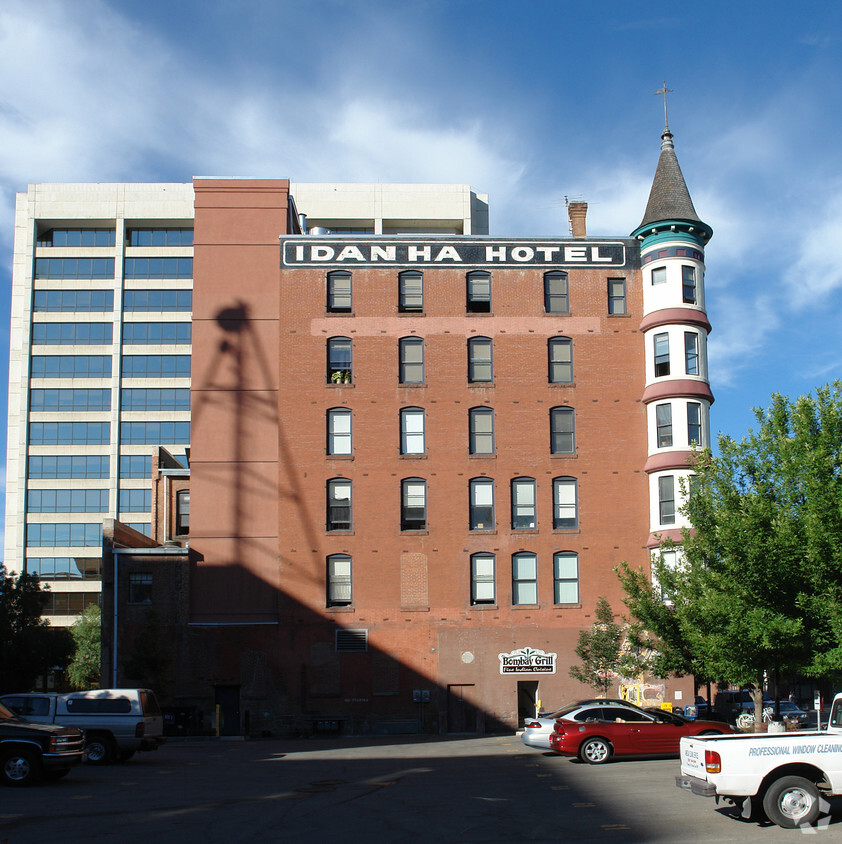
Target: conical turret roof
pixel 669 198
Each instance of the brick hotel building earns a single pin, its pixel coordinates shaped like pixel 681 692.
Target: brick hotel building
pixel 417 452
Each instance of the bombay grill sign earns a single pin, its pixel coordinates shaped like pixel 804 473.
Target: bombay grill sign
pixel 527 661
pixel 313 252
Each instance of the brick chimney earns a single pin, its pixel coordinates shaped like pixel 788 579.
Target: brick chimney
pixel 577 211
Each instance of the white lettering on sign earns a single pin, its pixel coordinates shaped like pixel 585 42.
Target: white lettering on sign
pixel 313 250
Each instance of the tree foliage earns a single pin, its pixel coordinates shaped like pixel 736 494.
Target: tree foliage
pixel 84 671
pixel 602 652
pixel 29 647
pixel 759 588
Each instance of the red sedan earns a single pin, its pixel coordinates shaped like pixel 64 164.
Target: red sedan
pixel 627 732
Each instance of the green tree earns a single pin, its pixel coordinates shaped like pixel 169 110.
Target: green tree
pixel 758 589
pixel 29 647
pixel 84 671
pixel 602 652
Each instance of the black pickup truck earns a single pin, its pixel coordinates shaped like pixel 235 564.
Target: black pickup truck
pixel 29 751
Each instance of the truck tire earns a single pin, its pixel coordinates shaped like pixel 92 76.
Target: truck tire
pixel 595 751
pixel 792 802
pixel 19 767
pixel 99 749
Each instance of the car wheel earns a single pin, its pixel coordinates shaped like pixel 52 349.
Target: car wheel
pixel 98 750
pixel 19 767
pixel 792 802
pixel 595 751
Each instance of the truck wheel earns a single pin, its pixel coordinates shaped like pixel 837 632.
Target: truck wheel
pixel 595 751
pixel 98 750
pixel 19 767
pixel 792 802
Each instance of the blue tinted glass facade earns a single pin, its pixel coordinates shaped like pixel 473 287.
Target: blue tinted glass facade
pixel 64 535
pixel 69 466
pixel 77 237
pixel 135 500
pixel 74 268
pixel 157 300
pixel 71 366
pixel 154 433
pixel 71 333
pixel 157 333
pixel 156 366
pixel 135 466
pixel 158 268
pixel 156 398
pixel 69 433
pixel 160 237
pixel 79 301
pixel 69 400
pixel 67 500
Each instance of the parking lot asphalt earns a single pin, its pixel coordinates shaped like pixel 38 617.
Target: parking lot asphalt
pixel 408 789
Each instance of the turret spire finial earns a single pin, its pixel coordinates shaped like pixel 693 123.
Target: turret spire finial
pixel 664 91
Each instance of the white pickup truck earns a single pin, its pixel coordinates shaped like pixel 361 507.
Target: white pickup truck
pixel 789 774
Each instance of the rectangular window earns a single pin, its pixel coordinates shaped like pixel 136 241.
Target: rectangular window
pixel 47 467
pixel 560 353
pixel 659 275
pixel 67 501
pixel 412 430
pixel 69 433
pixel 339 292
pixel 481 434
pixel 65 401
pixel 73 301
pixel 74 268
pixel 566 578
pixel 691 352
pixel 155 433
pixel 662 355
pixel 157 333
pixel 160 237
pixel 155 398
pixel 663 422
pixel 140 588
pixel 77 237
pixel 523 504
pixel 479 360
pixel 694 423
pixel 135 500
pixel 565 504
pixel 158 267
pixel 617 296
pixel 411 365
pixel 135 466
pixel 71 366
pixel 339 360
pixel 64 535
pixel 339 504
pixel 182 512
pixel 70 603
pixel 524 579
pixel 483 589
pixel 479 292
pixel 339 581
pixel 71 333
pixel 410 292
pixel 339 431
pixel 481 504
pixel 666 499
pixel 556 293
pixel 688 285
pixel 562 430
pixel 65 568
pixel 156 366
pixel 158 300
pixel 413 504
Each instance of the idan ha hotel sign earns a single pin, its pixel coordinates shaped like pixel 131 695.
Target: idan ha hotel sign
pixel 312 252
pixel 527 661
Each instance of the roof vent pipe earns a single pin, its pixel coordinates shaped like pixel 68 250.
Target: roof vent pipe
pixel 302 221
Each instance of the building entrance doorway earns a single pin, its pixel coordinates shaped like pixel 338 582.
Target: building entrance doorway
pixel 461 714
pixel 227 700
pixel 527 697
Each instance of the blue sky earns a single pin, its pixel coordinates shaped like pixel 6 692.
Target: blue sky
pixel 527 102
